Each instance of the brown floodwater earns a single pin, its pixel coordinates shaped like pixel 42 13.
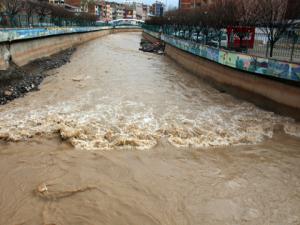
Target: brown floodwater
pixel 119 136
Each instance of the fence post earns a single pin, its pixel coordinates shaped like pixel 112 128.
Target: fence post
pixel 267 50
pixel 295 38
pixel 220 38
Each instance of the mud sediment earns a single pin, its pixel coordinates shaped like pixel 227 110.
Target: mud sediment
pixel 17 81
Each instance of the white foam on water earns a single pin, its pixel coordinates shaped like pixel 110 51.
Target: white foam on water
pixel 118 105
pixel 132 125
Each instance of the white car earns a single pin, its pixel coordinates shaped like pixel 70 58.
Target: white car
pixel 200 37
pixel 220 43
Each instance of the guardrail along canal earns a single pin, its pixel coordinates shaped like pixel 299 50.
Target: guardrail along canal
pixel 177 150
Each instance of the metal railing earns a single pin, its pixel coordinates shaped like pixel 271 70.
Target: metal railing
pixel 24 21
pixel 287 48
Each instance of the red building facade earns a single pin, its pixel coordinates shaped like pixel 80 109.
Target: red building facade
pixel 190 4
pixel 76 3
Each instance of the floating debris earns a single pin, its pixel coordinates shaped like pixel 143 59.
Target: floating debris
pixel 156 47
pixel 42 188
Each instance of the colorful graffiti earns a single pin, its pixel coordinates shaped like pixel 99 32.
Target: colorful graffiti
pixel 213 54
pixel 246 62
pixel 18 34
pixel 277 68
pixel 228 59
pixel 294 72
pixel 253 64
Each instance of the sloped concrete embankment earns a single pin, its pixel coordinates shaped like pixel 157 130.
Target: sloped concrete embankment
pixel 23 51
pixel 270 94
pixel 23 63
pixel 4 56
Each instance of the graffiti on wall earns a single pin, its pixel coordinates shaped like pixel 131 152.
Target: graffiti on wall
pixel 18 34
pixel 28 33
pixel 228 59
pixel 295 72
pixel 253 64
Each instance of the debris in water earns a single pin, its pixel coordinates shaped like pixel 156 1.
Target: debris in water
pixel 42 188
pixel 156 47
pixel 77 79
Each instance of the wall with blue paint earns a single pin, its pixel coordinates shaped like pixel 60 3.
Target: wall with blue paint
pixel 253 64
pixel 7 35
pixel 39 44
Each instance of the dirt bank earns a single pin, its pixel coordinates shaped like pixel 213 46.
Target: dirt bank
pixel 17 81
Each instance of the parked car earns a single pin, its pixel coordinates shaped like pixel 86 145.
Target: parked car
pixel 181 34
pixel 216 42
pixel 200 37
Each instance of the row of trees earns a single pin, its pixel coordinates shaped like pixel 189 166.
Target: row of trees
pixel 274 17
pixel 40 9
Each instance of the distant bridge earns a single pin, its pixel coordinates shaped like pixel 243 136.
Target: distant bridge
pixel 124 22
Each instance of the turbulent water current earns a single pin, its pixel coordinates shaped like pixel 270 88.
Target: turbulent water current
pixel 208 157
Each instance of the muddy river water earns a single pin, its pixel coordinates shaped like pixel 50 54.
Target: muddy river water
pixel 118 136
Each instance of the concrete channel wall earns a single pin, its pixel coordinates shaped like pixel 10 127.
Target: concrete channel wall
pixel 269 94
pixel 23 51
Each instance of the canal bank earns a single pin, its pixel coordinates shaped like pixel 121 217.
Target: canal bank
pixel 135 139
pixel 16 81
pixel 23 48
pixel 280 96
pixel 26 55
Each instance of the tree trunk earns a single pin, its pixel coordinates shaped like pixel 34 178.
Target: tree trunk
pixel 241 42
pixel 271 48
pixel 28 20
pixel 11 20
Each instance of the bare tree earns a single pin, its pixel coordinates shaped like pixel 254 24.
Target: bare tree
pixel 86 18
pixel 246 16
pixel 275 19
pixel 223 13
pixel 60 16
pixel 43 9
pixel 12 8
pixel 1 6
pixel 2 18
pixel 29 8
pixel 247 13
pixel 85 4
